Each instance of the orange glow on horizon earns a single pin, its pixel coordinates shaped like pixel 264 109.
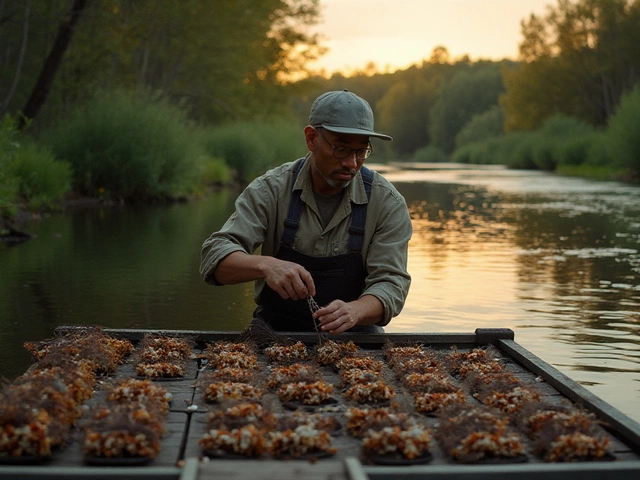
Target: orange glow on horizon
pixel 397 35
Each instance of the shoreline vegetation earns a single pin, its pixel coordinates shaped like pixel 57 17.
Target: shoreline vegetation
pixel 116 112
pixel 121 149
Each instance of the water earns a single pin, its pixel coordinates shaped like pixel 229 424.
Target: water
pixel 555 259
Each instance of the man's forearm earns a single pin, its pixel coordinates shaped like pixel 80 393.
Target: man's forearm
pixel 240 267
pixel 370 310
pixel 287 279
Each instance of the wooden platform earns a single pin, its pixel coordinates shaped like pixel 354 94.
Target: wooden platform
pixel 181 457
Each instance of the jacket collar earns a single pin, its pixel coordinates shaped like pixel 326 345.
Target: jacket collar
pixel 355 191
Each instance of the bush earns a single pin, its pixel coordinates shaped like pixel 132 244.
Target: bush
pixel 575 150
pixel 28 173
pixel 240 148
pixel 521 149
pixel 500 150
pixel 599 152
pixel 214 171
pixel 559 137
pixel 253 147
pixel 130 145
pixel 482 127
pixel 622 135
pixel 479 153
pixel 430 154
pixel 43 180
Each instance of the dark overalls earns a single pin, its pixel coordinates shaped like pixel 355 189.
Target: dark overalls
pixel 336 277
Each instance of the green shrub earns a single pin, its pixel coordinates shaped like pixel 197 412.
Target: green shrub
pixel 241 149
pixel 559 137
pixel 479 153
pixel 575 150
pixel 497 150
pixel 482 127
pixel 131 145
pixel 542 152
pixel 214 171
pixel 250 148
pixel 43 180
pixel 463 154
pixel 492 151
pixel 29 173
pixel 562 126
pixel 520 148
pixel 430 154
pixel 599 153
pixel 622 135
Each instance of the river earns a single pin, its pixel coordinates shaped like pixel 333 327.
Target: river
pixel 553 258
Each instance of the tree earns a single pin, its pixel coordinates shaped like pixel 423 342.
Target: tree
pixel 536 91
pixel 20 57
pixel 225 59
pixel 52 63
pixel 403 113
pixel 579 59
pixel 468 93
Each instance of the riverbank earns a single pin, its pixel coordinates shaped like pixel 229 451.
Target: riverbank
pixel 11 228
pixel 553 258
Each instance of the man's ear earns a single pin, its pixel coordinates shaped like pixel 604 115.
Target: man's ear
pixel 311 137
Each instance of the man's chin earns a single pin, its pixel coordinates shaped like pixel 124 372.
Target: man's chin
pixel 341 183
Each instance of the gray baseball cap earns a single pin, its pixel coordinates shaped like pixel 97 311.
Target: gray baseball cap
pixel 344 112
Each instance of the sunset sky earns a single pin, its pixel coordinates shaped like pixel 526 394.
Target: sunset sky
pixel 399 33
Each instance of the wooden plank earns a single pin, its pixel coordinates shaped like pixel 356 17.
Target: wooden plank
pixel 354 469
pixel 538 471
pixel 89 473
pixel 243 470
pixel 190 469
pixel 373 339
pixel 615 420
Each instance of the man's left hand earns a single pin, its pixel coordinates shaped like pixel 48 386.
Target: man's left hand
pixel 337 317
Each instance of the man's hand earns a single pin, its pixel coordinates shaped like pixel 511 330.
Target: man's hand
pixel 288 279
pixel 339 316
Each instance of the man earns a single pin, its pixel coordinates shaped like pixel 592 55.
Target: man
pixel 329 228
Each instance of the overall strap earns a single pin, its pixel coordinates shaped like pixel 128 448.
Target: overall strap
pixel 296 205
pixel 358 214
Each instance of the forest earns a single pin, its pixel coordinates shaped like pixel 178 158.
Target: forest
pixel 156 100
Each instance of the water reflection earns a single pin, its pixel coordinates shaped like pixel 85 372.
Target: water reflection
pixel 556 259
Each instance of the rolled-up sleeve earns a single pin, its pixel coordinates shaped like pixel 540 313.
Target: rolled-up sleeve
pixel 386 259
pixel 244 231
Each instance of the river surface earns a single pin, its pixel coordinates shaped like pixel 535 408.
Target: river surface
pixel 555 259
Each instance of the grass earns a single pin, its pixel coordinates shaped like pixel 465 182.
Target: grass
pixel 593 172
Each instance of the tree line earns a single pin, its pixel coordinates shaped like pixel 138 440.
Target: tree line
pixel 224 59
pixel 229 65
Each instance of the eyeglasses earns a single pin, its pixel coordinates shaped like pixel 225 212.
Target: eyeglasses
pixel 344 152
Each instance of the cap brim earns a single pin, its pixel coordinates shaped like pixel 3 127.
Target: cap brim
pixel 357 131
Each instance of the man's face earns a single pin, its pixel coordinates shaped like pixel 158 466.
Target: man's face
pixel 331 174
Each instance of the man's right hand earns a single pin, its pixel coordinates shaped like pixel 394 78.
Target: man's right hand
pixel 288 279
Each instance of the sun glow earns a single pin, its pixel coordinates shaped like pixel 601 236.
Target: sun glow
pixel 396 35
